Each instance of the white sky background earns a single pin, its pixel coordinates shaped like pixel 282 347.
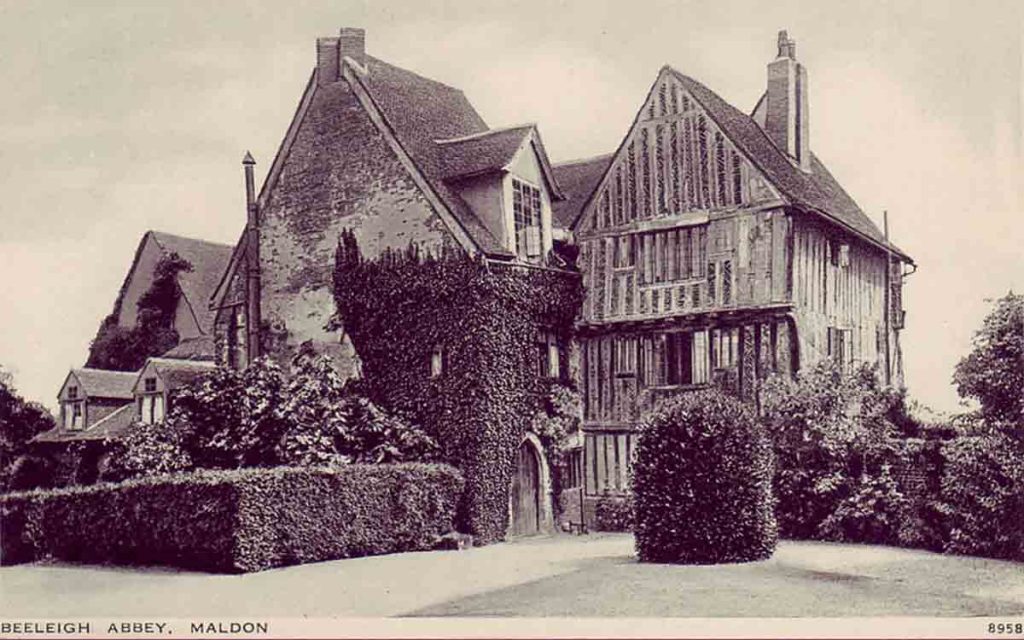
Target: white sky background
pixel 119 118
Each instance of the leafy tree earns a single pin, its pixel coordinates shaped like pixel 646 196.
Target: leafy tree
pixel 20 421
pixel 229 419
pixel 993 373
pixel 126 349
pixel 834 442
pixel 145 449
pixel 327 423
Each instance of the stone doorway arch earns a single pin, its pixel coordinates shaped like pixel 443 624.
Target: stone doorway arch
pixel 530 491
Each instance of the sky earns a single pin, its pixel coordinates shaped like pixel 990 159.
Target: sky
pixel 123 117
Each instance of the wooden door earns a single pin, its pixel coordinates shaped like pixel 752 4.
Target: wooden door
pixel 526 493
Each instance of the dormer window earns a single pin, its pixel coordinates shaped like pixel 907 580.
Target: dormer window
pixel 151 403
pixel 526 211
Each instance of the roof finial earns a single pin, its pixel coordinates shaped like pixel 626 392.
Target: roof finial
pixel 248 159
pixel 787 47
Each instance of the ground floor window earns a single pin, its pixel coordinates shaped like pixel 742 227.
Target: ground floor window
pixel 840 346
pixel 606 462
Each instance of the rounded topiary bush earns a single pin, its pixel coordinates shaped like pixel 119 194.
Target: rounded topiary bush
pixel 702 483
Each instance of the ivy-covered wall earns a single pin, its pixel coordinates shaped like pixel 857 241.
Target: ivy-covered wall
pixel 399 307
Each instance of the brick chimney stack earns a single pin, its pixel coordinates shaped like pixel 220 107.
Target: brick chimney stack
pixel 350 43
pixel 786 119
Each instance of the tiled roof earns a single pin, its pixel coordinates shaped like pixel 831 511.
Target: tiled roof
pixel 109 427
pixel 209 260
pixel 175 372
pixel 483 152
pixel 199 348
pixel 420 111
pixel 817 189
pixel 578 179
pixel 100 383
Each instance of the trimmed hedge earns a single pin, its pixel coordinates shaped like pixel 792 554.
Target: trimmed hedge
pixel 702 483
pixel 235 521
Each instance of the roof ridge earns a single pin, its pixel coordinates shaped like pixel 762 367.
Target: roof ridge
pixel 483 134
pixel 156 236
pixel 103 370
pixel 413 73
pixel 566 163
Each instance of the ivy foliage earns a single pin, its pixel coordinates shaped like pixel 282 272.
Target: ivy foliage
pixel 400 307
pixel 120 348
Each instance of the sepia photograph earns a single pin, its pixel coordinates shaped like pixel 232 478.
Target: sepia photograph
pixel 440 318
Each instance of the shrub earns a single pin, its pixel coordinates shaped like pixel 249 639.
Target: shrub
pixel 235 521
pixel 833 438
pixel 614 513
pixel 702 483
pixel 872 513
pixel 229 419
pixel 983 496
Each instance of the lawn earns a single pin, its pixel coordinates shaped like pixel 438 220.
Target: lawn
pixel 594 575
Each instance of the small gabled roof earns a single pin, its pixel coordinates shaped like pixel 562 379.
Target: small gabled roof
pixel 817 190
pixel 175 372
pixel 578 179
pixel 102 383
pixel 494 150
pixel 110 426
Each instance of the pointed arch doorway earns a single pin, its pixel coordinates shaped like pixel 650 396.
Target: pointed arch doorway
pixel 529 500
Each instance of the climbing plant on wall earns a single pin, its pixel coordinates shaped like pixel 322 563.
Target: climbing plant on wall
pixel 126 348
pixel 449 342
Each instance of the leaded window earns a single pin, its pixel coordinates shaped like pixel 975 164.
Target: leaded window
pixel 727 282
pixel 526 212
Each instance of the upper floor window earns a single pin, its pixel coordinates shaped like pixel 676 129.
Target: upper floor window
pixel 72 393
pixel 526 211
pixel 548 361
pixel 436 361
pixel 73 414
pixel 151 403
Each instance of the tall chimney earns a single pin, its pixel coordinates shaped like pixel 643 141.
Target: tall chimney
pixel 786 117
pixel 252 261
pixel 352 43
pixel 328 62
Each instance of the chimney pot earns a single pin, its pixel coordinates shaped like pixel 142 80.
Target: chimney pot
pixel 786 113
